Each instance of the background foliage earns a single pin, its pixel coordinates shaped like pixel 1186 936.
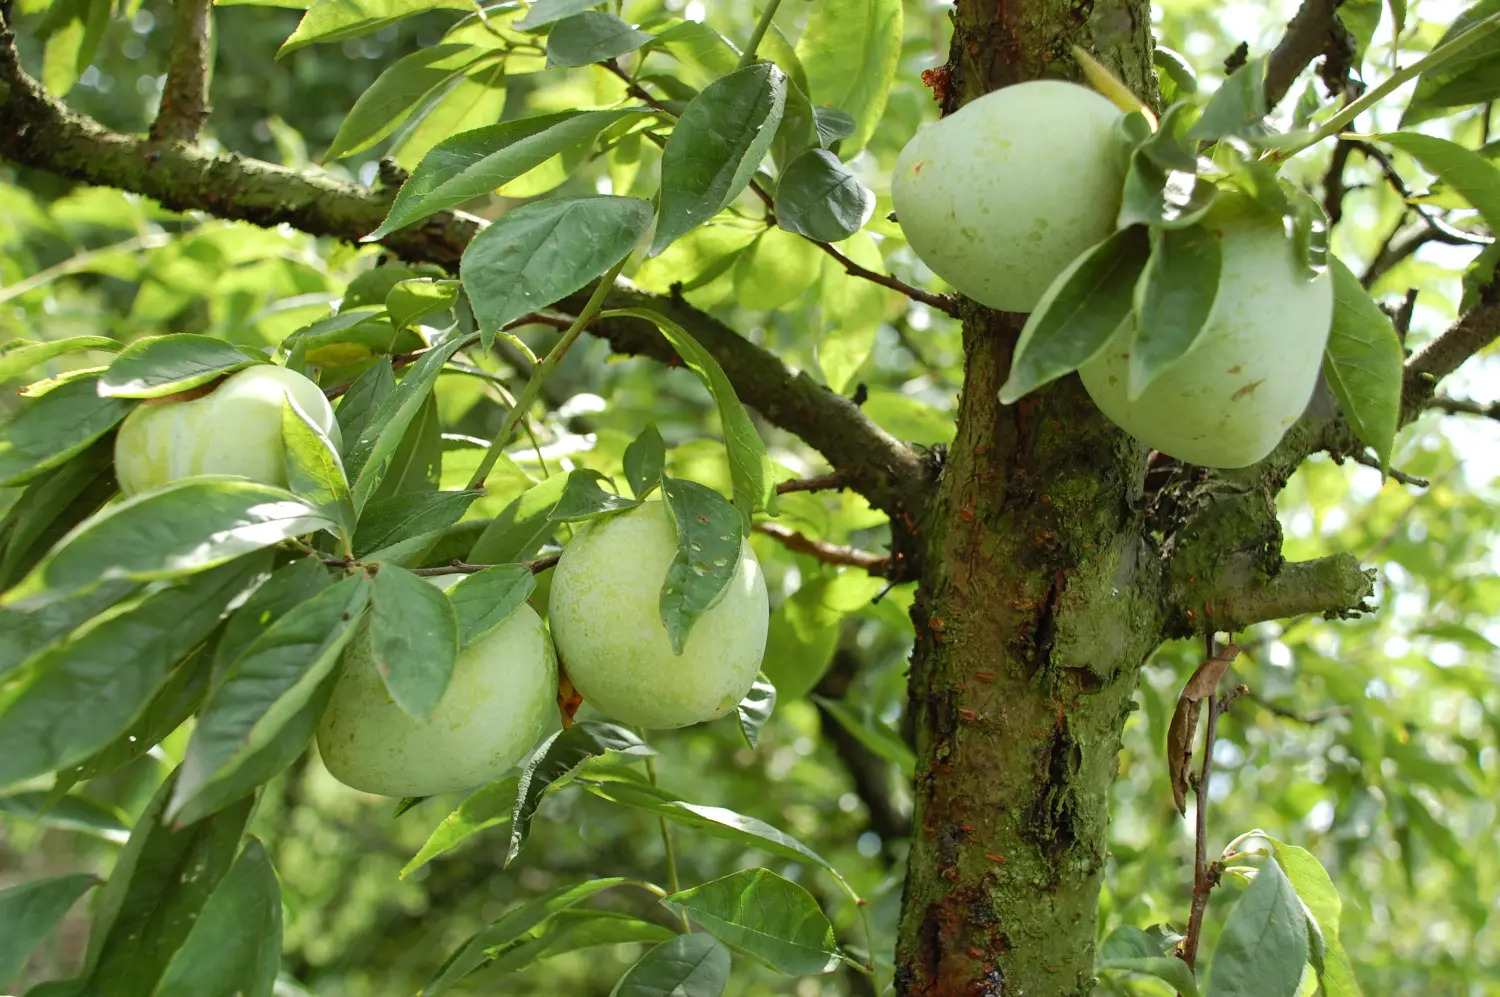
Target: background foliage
pixel 1375 743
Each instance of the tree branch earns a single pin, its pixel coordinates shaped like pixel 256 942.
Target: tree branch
pixel 39 132
pixel 1308 34
pixel 876 564
pixel 1464 406
pixel 1478 328
pixel 184 99
pixel 1335 585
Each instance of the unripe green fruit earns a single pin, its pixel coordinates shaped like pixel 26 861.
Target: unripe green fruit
pixel 1228 401
pixel 606 619
pixel 235 429
pixel 1000 196
pixel 500 700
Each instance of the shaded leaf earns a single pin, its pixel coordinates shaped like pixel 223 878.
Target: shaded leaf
pixel 766 917
pixel 556 759
pixel 708 552
pixel 1131 949
pixel 234 948
pixel 416 465
pixel 335 20
pixel 1173 300
pixel 1263 946
pixel 821 198
pixel 69 813
pixel 1471 77
pixel 1474 177
pixel 363 399
pixel 413 299
pixel 851 49
pixel 591 36
pixel 398 89
pixel 313 469
pixel 20 355
pixel 528 521
pixel 25 633
pixel 1363 362
pixel 52 504
pixel 163 365
pixel 413 635
pixel 1237 107
pixel 645 459
pixel 29 912
pixel 389 521
pixel 756 708
pixel 545 12
pixel 484 600
pixel 881 740
pixel 484 808
pixel 55 427
pixel 685 966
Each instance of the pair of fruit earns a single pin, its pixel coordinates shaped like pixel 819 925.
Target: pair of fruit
pixel 1001 196
pixel 501 696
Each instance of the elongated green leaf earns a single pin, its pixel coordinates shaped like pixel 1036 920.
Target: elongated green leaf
pixel 852 312
pixel 162 365
pixel 413 639
pixel 484 808
pixel 76 697
pixel 749 466
pixel 850 49
pixel 1471 77
pixel 186 527
pixel 156 893
pixel 821 198
pixel 591 36
pixel 476 952
pixel 1237 107
pixel 234 948
pixel 685 966
pixel 29 912
pixel 529 520
pixel 1079 313
pixel 289 586
pixel 484 600
pixel 1263 947
pixel 880 739
pixel 1129 948
pixel 545 12
pixel 766 917
pixel 20 355
pixel 335 20
pixel 263 689
pixel 368 458
pixel 1475 178
pixel 644 461
pixel 1173 300
pixel 1316 891
pixel 545 250
pixel 410 300
pixel 1363 362
pixel 25 633
pixel 708 553
pixel 396 91
pixel 1161 197
pixel 55 427
pixel 556 759
pixel 69 813
pixel 52 504
pixel 717 146
pixel 474 163
pixel 416 465
pixel 756 708
pixel 363 399
pixel 313 469
pixel 391 520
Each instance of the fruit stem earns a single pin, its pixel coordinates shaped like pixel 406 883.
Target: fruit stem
pixel 761 27
pixel 541 372
pixel 666 842
pixel 1436 57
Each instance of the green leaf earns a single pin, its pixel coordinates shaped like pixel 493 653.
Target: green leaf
pixel 413 635
pixel 1471 77
pixel 543 251
pixel 545 12
pixel 1161 197
pixel 589 37
pixel 1321 898
pixel 289 586
pixel 474 163
pixel 708 553
pixel 156 893
pixel 1175 67
pixel 645 459
pixel 529 520
pixel 832 125
pixel 74 698
pixel 55 427
pixel 363 399
pixel 1237 108
pixel 313 468
pixel 335 20
pixel 851 50
pixel 389 521
pixel 1081 310
pixel 261 691
pixel 68 813
pixel 1173 300
pixel 24 633
pixel 851 313
pixel 29 912
pixel 749 832
pixel 396 91
pixel 1363 362
pixel 53 504
pixel 369 456
pixel 476 953
pixel 685 966
pixel 881 740
pixel 1474 177
pixel 416 465
pixel 716 147
pixel 821 198
pixel 756 708
pixel 798 131
pixel 234 947
pixel 766 917
pixel 1129 948
pixel 417 298
pixel 185 527
pixel 484 808
pixel 1263 946
pixel 557 758
pixel 72 30
pixel 749 466
pixel 20 355
pixel 484 600
pixel 164 365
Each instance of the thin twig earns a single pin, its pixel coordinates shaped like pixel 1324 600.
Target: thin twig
pixel 1464 406
pixel 879 565
pixel 1360 457
pixel 1445 232
pixel 1310 718
pixel 184 98
pixel 761 27
pixel 832 481
pixel 1205 876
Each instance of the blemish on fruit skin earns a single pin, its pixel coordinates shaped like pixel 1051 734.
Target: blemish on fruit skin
pixel 1247 389
pixel 1235 369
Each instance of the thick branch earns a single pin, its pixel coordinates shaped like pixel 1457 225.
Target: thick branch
pixel 1478 328
pixel 184 100
pixel 1333 585
pixel 39 132
pixel 1307 35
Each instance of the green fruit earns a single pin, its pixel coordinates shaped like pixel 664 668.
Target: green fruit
pixel 1228 401
pixel 235 429
pixel 606 619
pixel 1000 196
pixel 500 700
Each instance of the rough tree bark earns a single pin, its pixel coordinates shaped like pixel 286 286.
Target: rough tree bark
pixel 1039 601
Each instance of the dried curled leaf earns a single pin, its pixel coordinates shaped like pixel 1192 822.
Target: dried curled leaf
pixel 1200 686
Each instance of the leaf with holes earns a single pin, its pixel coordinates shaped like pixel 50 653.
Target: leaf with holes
pixel 708 552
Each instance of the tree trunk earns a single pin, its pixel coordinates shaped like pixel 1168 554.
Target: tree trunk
pixel 1039 600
